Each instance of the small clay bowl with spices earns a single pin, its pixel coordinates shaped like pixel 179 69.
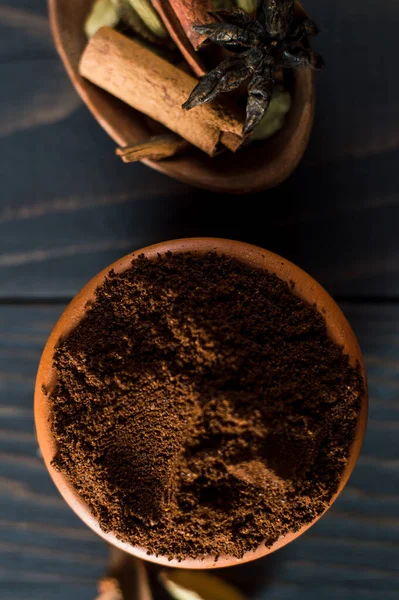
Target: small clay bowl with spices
pixel 303 286
pixel 259 166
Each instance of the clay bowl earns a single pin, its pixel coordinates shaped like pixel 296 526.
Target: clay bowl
pixel 260 166
pixel 305 287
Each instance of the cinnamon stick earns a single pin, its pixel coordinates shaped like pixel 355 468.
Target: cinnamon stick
pixel 232 141
pixel 193 12
pixel 155 87
pixel 188 13
pixel 156 148
pixel 185 39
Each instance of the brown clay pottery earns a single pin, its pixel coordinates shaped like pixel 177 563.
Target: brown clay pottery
pixel 305 287
pixel 260 166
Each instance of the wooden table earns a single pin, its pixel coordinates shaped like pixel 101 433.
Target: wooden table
pixel 68 208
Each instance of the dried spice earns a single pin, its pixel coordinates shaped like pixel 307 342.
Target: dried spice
pixel 156 148
pixel 109 589
pixel 152 22
pixel 141 23
pixel 275 39
pixel 155 87
pixel 201 407
pixel 249 5
pixel 136 17
pixel 104 13
pixel 274 118
pixel 174 14
pixel 197 585
pixel 149 16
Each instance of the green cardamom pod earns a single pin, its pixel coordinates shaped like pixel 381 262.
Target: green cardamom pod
pixel 223 4
pixel 274 118
pixel 197 585
pixel 130 22
pixel 103 13
pixel 248 5
pixel 150 17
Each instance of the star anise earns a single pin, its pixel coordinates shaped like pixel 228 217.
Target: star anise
pixel 273 39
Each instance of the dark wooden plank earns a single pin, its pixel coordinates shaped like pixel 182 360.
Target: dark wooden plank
pixel 358 97
pixel 68 207
pixel 24 31
pixel 46 552
pixel 352 553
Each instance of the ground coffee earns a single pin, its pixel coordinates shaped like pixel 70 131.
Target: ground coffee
pixel 201 407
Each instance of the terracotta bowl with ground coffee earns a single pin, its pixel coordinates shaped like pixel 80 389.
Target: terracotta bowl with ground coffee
pixel 201 403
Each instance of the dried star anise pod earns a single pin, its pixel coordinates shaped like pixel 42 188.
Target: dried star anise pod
pixel 271 40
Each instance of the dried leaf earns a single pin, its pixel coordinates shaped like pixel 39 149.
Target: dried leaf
pixel 198 585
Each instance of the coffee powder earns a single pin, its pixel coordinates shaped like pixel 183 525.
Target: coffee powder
pixel 201 407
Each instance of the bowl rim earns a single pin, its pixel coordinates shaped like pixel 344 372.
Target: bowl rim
pixel 305 287
pixel 280 166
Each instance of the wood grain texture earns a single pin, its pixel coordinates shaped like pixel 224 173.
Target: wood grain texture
pixel 358 109
pixel 352 553
pixel 68 207
pixel 76 209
